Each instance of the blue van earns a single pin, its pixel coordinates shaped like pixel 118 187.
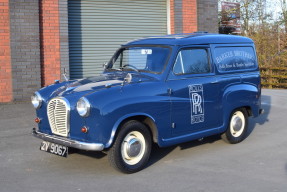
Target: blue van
pixel 165 90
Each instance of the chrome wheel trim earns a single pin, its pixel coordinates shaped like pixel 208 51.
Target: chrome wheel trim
pixel 133 148
pixel 237 124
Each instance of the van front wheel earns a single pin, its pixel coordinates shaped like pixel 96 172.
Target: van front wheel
pixel 237 127
pixel 131 150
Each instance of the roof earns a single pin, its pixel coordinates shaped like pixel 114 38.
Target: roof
pixel 191 38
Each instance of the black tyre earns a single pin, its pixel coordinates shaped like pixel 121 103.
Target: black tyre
pixel 237 126
pixel 131 149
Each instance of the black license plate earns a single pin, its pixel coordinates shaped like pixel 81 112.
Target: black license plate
pixel 54 148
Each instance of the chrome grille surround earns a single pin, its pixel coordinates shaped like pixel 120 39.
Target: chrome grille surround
pixel 58 111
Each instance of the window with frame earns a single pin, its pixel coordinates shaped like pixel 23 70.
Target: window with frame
pixel 145 59
pixel 232 59
pixel 191 61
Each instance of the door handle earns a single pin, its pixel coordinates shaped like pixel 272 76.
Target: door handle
pixel 169 91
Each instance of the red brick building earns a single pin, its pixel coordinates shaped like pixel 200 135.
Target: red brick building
pixel 41 38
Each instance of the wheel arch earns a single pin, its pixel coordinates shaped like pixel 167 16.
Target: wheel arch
pixel 141 117
pixel 241 96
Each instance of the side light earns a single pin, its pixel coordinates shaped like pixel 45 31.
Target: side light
pixel 84 129
pixel 37 120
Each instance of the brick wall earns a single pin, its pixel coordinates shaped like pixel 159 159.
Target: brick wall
pixel 189 16
pixel 25 48
pixel 50 41
pixel 183 16
pixel 5 58
pixel 172 31
pixel 178 16
pixel 207 15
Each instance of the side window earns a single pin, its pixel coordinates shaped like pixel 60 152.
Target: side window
pixel 191 61
pixel 232 59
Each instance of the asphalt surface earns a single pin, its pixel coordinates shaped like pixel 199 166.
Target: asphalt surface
pixel 259 163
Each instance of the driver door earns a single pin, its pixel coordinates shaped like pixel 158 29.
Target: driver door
pixel 194 92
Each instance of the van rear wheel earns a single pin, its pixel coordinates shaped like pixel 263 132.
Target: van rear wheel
pixel 131 150
pixel 237 127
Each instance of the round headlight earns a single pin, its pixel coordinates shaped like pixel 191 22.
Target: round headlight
pixel 36 100
pixel 83 107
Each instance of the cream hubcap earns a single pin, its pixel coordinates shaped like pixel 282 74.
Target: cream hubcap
pixel 237 124
pixel 133 148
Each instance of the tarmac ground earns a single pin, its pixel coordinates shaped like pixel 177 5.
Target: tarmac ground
pixel 259 163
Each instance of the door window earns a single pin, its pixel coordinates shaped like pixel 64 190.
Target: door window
pixel 191 61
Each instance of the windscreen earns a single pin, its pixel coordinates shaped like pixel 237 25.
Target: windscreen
pixel 147 59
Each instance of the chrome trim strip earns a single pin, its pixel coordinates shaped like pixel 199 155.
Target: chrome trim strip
pixel 68 142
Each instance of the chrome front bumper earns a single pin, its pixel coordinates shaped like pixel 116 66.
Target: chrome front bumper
pixel 68 142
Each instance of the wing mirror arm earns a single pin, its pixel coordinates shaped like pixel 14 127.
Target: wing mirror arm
pixel 105 65
pixel 65 75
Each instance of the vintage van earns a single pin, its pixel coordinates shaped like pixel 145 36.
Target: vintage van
pixel 164 90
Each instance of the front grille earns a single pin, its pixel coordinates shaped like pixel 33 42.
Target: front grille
pixel 58 114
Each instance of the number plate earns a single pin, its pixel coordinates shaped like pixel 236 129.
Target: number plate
pixel 54 148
